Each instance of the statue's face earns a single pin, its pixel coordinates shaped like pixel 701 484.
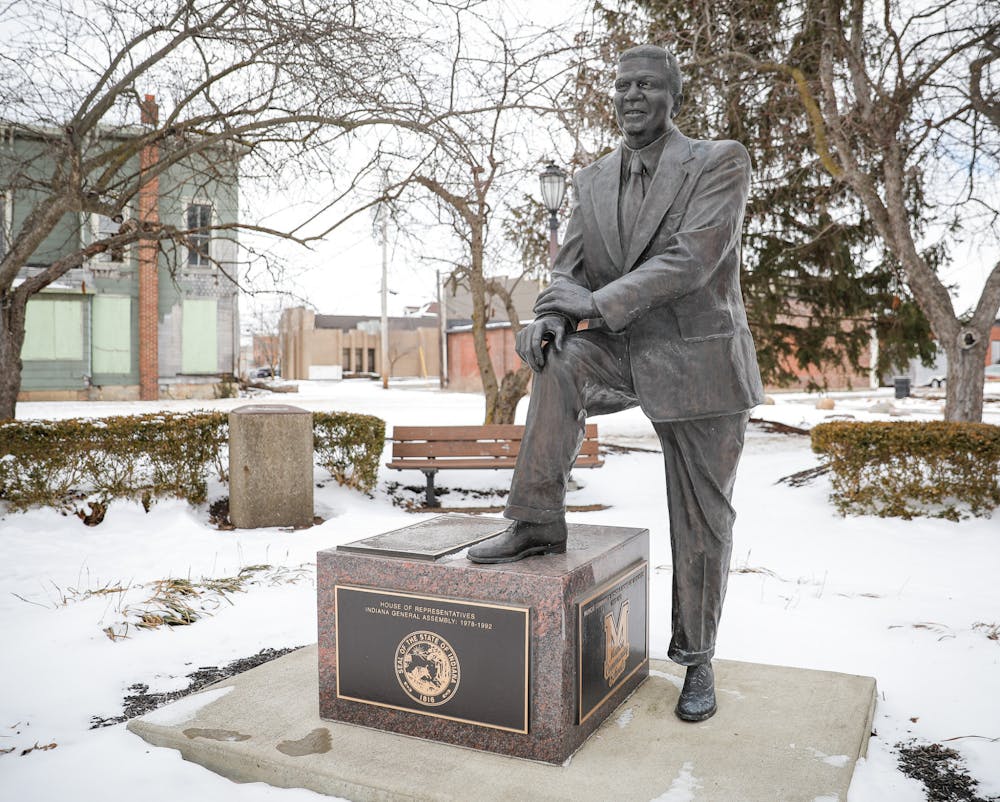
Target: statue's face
pixel 643 101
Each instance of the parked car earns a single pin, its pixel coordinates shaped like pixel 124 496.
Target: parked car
pixel 993 373
pixel 936 381
pixel 264 373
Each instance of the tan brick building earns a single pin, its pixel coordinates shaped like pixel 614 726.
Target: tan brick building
pixel 334 346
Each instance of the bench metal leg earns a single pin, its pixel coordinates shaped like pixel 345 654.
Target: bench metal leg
pixel 431 499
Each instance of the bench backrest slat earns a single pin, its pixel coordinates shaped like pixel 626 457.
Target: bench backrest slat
pixel 497 431
pixel 466 448
pixel 442 449
pixel 494 446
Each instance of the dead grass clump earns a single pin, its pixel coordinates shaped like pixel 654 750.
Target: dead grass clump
pixel 991 631
pixel 181 602
pixel 172 602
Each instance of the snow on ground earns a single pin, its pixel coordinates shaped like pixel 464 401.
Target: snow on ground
pixel 892 599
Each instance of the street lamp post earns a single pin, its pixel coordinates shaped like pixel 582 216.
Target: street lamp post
pixel 384 320
pixel 553 184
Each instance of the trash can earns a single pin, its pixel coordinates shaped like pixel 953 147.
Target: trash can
pixel 902 384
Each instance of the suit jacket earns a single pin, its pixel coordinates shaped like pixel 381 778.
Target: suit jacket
pixel 676 294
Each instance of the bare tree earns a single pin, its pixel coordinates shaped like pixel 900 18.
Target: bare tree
pixel 475 173
pixel 901 100
pixel 246 88
pixel 265 332
pixel 465 174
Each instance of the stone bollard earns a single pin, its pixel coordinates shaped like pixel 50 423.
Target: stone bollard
pixel 270 466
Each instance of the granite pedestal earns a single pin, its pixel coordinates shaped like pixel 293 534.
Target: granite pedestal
pixel 524 659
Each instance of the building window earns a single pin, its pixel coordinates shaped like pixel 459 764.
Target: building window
pixel 199 336
pixel 112 334
pixel 347 359
pixel 199 219
pixel 371 360
pixel 359 364
pixel 53 330
pixel 107 227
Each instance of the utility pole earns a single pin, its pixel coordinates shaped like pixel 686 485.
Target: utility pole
pixel 443 330
pixel 385 298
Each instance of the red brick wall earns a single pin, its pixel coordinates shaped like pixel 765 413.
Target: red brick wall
pixel 994 338
pixel 149 284
pixel 463 371
pixel 266 350
pixel 832 377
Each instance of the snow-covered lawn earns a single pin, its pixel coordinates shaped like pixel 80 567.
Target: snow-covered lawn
pixel 910 603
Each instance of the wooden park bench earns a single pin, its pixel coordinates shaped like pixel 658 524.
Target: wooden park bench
pixel 436 448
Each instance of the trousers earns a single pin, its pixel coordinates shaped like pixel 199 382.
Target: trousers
pixel 591 375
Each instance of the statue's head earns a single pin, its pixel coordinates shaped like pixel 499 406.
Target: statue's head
pixel 648 93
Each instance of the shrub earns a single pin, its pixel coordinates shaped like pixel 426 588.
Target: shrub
pixel 349 446
pixel 147 457
pixel 934 469
pixel 42 463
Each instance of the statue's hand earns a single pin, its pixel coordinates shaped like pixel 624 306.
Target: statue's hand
pixel 534 339
pixel 566 298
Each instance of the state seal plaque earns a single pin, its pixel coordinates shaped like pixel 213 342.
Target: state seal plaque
pixel 427 668
pixel 436 656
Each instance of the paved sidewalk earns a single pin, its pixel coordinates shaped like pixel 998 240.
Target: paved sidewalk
pixel 780 734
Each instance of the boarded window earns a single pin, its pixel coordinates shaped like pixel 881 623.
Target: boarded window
pixel 53 329
pixel 199 336
pixel 112 334
pixel 199 218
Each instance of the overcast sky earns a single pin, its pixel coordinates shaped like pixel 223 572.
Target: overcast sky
pixel 342 274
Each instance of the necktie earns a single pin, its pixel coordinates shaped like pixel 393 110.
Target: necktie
pixel 631 201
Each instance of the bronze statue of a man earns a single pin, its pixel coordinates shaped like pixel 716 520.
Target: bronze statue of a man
pixel 652 260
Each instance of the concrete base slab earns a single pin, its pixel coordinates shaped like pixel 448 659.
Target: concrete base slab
pixel 780 734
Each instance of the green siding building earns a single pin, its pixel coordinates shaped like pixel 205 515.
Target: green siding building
pixel 82 336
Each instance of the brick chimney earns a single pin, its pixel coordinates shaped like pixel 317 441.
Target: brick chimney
pixel 149 280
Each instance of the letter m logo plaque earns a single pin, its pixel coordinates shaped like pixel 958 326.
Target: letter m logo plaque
pixel 615 644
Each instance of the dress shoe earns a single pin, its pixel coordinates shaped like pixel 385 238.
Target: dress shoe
pixel 519 540
pixel 697 701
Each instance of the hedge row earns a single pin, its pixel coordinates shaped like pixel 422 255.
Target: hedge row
pixel 349 446
pixel 905 470
pixel 148 457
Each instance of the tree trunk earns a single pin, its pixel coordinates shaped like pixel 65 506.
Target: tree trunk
pixel 513 388
pixel 965 345
pixel 477 288
pixel 487 375
pixel 966 363
pixel 12 311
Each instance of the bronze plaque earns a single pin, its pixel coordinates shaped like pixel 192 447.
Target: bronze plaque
pixel 429 540
pixel 612 637
pixel 458 660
